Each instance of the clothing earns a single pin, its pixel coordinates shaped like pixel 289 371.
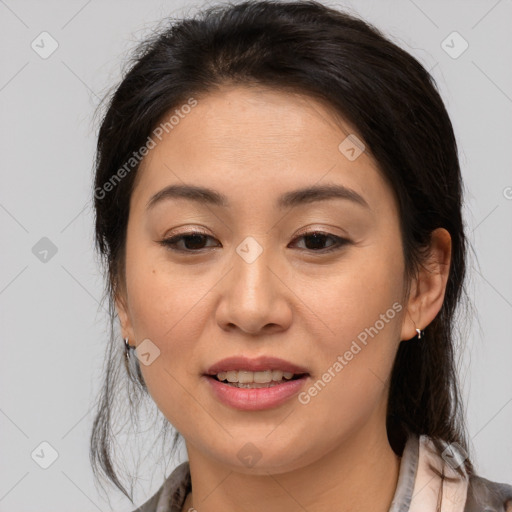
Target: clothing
pixel 419 486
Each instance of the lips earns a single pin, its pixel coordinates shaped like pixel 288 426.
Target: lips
pixel 258 364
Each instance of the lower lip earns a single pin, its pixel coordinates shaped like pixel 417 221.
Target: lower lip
pixel 255 399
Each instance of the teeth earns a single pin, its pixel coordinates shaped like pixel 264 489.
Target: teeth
pixel 247 377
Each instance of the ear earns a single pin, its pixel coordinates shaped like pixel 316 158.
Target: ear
pixel 428 289
pixel 124 317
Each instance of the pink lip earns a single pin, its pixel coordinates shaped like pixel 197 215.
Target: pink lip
pixel 255 399
pixel 257 364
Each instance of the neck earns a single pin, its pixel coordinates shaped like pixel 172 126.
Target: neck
pixel 361 473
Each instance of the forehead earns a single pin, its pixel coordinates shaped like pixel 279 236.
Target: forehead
pixel 263 140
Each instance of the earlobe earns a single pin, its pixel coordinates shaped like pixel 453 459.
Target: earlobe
pixel 124 318
pixel 428 290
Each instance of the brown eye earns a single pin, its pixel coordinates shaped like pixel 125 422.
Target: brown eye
pixel 192 242
pixel 315 240
pixel 195 241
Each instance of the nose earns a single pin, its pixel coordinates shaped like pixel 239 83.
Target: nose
pixel 254 295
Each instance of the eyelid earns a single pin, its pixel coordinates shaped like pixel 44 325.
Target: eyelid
pixel 322 230
pixel 193 230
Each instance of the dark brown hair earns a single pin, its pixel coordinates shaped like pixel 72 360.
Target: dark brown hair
pixel 378 88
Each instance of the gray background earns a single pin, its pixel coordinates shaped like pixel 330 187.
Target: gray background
pixel 53 330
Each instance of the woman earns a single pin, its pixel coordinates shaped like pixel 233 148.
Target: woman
pixel 301 375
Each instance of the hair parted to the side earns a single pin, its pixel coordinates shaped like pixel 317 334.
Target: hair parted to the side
pixel 381 90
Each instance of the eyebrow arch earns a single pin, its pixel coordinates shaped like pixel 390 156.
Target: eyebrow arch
pixel 290 199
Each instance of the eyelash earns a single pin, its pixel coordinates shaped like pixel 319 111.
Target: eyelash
pixel 170 243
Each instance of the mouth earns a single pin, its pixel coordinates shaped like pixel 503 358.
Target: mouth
pixel 256 396
pixel 255 384
pixel 254 380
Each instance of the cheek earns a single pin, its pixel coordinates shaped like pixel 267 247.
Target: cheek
pixel 361 313
pixel 360 299
pixel 165 307
pixel 161 295
pixel 350 389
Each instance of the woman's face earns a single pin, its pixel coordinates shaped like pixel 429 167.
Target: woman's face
pixel 253 285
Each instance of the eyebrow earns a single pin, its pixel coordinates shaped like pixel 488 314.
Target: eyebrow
pixel 205 195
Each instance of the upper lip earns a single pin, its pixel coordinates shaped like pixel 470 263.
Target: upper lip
pixel 256 364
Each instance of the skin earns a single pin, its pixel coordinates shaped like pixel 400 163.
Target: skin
pixel 254 144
